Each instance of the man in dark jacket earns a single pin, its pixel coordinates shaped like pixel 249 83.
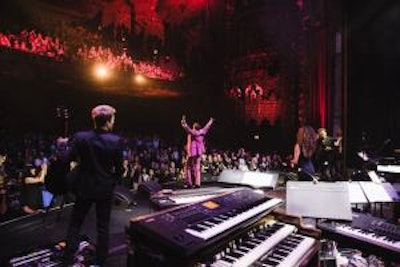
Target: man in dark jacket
pixel 99 156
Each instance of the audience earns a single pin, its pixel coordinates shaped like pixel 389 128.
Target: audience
pixel 32 189
pixel 35 43
pixel 252 92
pixel 148 158
pixel 44 45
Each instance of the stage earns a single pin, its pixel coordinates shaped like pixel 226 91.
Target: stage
pixel 30 232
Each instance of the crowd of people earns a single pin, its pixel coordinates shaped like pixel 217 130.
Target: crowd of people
pixel 100 159
pixel 251 92
pixel 123 61
pixel 30 41
pixel 105 56
pixel 156 72
pixel 35 43
pixel 24 165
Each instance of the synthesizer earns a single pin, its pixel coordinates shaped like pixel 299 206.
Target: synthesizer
pixel 368 233
pixel 184 231
pixel 267 244
pixel 164 200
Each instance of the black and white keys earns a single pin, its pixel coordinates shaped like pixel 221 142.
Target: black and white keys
pixel 267 245
pixel 288 253
pixel 254 245
pixel 220 223
pixel 370 237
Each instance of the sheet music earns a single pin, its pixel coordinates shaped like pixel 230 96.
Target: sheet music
pixel 356 193
pixel 375 192
pixel 320 200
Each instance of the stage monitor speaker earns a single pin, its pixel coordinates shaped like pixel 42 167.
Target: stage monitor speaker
pixel 123 197
pixel 148 188
pixel 249 178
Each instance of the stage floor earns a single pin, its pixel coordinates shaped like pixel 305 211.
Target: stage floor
pixel 30 232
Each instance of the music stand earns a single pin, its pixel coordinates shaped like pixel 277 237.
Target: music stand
pixel 318 200
pixel 356 194
pixel 375 192
pixel 379 193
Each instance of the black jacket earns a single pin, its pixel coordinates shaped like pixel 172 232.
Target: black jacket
pixel 99 156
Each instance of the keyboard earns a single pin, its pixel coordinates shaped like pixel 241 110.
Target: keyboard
pixel 184 230
pixel 289 252
pixel 253 246
pixel 220 223
pixel 174 198
pixel 367 232
pixel 274 244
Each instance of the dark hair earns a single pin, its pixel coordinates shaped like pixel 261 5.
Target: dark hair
pixel 306 138
pixel 196 126
pixel 28 168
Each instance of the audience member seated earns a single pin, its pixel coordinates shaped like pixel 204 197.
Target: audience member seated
pixel 32 192
pixel 147 158
pixel 35 43
pixel 44 45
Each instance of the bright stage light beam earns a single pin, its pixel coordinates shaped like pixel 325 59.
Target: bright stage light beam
pixel 101 72
pixel 140 79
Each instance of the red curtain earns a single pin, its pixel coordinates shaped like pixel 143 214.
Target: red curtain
pixel 322 85
pixel 319 80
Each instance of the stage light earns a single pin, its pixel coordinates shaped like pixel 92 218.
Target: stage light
pixel 140 79
pixel 101 72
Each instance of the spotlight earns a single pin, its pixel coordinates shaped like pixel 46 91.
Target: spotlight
pixel 140 79
pixel 101 72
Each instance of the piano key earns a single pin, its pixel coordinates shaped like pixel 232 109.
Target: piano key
pixel 369 237
pixel 282 246
pixel 281 253
pixel 263 247
pixel 229 259
pixel 208 223
pixel 235 255
pixel 243 250
pixel 270 263
pixel 235 220
pixel 297 253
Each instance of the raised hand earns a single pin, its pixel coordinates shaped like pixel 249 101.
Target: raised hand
pixel 183 120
